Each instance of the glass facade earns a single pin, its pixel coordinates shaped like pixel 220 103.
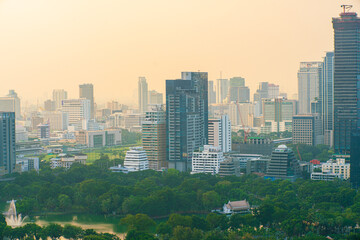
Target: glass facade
pixel 346 79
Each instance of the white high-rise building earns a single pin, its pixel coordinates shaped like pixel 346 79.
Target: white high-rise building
pixel 136 159
pixel 220 133
pixel 208 160
pixel 77 109
pixel 142 94
pixel 309 78
pixel 222 90
pixel 58 96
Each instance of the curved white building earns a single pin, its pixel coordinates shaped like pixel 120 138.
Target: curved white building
pixel 136 159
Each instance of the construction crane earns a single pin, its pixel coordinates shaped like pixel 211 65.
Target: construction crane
pixel 297 148
pixel 346 8
pixel 246 132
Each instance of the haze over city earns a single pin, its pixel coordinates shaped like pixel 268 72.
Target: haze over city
pixel 61 44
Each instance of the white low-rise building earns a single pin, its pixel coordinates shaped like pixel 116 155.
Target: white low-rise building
pixel 136 159
pixel 337 166
pixel 66 161
pixel 208 160
pixel 325 176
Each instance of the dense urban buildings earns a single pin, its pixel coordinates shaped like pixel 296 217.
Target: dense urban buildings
pixel 87 91
pixel 154 137
pixel 309 79
pixel 142 95
pixel 346 79
pixel 155 97
pixel 187 118
pixel 7 143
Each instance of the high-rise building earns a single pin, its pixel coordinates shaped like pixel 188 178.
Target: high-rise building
pixel 58 121
pixel 222 89
pixel 220 133
pixel 211 93
pixel 154 137
pixel 273 91
pixel 239 94
pixel 278 115
pixel 58 96
pixel 142 94
pixel 136 159
pixel 207 160
pixel 155 98
pixel 327 98
pixel 49 105
pixel 309 81
pixel 306 129
pixel 43 131
pixel 87 91
pixel 7 142
pixel 77 110
pixel 355 160
pixel 11 103
pixel 346 79
pixel 283 164
pixel 187 118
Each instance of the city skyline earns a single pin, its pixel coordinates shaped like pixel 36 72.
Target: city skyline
pixel 54 55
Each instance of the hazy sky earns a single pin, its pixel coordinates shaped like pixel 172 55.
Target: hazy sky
pixel 47 44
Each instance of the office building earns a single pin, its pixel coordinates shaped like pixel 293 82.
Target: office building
pixel 309 80
pixel 278 115
pixel 7 143
pixel 222 89
pixel 220 133
pixel 207 160
pixel 49 105
pixel 28 163
pixel 99 138
pixel 136 159
pixel 283 164
pixel 187 118
pixel 86 91
pixel 306 129
pixel 239 94
pixel 355 160
pixel 155 98
pixel 227 168
pixel 11 103
pixel 77 110
pixel 58 96
pixel 43 131
pixel 142 94
pixel 273 90
pixel 58 121
pixel 66 161
pixel 327 99
pixel 211 92
pixel 154 137
pixel 346 79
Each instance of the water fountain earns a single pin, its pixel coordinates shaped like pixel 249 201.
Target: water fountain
pixel 11 217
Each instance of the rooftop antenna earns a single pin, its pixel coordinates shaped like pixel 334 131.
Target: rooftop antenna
pixel 346 8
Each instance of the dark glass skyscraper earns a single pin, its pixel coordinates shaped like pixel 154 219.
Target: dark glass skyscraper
pixel 7 142
pixel 355 160
pixel 187 117
pixel 346 79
